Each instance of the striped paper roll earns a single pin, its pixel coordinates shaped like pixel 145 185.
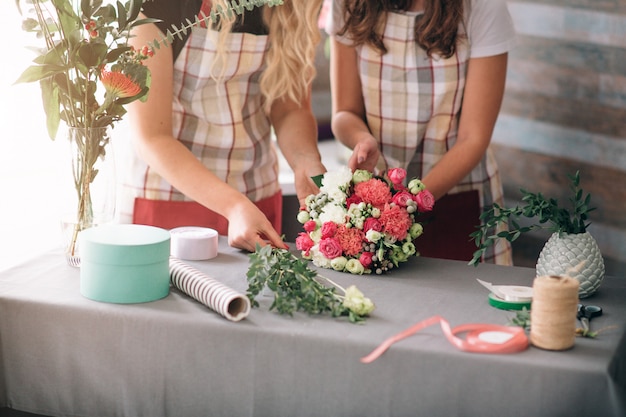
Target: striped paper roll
pixel 213 294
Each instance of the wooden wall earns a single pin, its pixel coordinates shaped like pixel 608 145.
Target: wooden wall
pixel 565 110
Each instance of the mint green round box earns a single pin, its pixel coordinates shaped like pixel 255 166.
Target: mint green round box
pixel 124 263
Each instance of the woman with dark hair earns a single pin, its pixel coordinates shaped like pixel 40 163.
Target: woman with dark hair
pixel 418 84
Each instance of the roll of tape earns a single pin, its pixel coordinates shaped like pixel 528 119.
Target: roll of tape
pixel 193 243
pixel 498 302
pixel 514 292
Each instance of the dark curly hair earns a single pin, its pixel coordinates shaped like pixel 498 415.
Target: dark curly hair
pixel 436 30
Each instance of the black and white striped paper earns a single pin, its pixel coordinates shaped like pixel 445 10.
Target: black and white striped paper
pixel 213 294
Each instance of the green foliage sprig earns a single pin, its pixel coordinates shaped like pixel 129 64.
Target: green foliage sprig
pixel 522 319
pixel 82 38
pixel 547 212
pixel 296 287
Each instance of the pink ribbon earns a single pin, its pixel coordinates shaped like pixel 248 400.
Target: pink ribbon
pixel 472 342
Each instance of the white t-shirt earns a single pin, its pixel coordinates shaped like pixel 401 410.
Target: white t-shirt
pixel 490 29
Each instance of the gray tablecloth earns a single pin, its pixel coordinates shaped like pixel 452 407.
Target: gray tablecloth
pixel 64 355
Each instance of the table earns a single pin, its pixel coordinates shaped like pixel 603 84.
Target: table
pixel 64 355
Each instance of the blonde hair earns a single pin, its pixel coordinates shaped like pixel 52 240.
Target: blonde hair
pixel 293 36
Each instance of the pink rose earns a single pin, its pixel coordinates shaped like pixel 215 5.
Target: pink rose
pixel 330 248
pixel 425 200
pixel 372 223
pixel 397 176
pixel 304 243
pixel 310 226
pixel 401 198
pixel 366 259
pixel 328 230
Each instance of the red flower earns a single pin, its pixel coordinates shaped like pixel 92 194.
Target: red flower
pixel 310 226
pixel 396 221
pixel 372 223
pixel 328 230
pixel 425 200
pixel 351 240
pixel 374 192
pixel 402 197
pixel 366 259
pixel 330 247
pixel 397 176
pixel 353 199
pixel 118 84
pixel 304 243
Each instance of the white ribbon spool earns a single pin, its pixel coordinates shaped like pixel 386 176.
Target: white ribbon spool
pixel 193 243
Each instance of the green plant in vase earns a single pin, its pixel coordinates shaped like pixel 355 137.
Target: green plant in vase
pixel 570 250
pixel 88 73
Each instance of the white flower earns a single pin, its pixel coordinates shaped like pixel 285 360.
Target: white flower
pixel 316 235
pixel 333 213
pixel 303 216
pixel 373 235
pixel 415 186
pixel 355 267
pixel 408 248
pixel 319 259
pixel 338 263
pixel 416 230
pixel 361 175
pixel 389 240
pixel 356 301
pixel 335 184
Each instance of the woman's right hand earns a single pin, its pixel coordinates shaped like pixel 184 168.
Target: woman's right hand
pixel 365 154
pixel 248 226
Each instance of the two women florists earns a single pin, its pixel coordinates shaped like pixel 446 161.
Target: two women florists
pixel 427 91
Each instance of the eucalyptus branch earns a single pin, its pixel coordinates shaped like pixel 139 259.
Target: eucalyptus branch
pixel 230 8
pixel 546 212
pixel 296 287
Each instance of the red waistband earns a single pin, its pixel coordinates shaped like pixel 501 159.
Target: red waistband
pixel 170 214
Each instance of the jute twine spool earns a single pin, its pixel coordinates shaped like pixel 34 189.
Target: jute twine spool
pixel 553 312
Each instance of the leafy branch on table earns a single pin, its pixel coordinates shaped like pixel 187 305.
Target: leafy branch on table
pixel 296 287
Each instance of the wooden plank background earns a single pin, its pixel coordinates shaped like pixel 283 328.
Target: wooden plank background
pixel 565 110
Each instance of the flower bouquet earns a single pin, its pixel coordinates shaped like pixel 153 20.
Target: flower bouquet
pixel 361 223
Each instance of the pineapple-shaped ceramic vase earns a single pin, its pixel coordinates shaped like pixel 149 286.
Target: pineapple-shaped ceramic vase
pixel 576 255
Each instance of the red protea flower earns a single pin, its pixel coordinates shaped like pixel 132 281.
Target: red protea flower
pixel 118 84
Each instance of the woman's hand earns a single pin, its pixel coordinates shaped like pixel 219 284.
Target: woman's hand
pixel 365 154
pixel 248 226
pixel 304 180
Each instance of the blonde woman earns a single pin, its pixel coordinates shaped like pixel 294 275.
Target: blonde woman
pixel 203 153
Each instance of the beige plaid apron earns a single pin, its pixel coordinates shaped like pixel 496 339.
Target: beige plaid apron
pixel 221 121
pixel 412 105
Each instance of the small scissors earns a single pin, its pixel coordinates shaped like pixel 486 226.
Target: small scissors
pixel 586 313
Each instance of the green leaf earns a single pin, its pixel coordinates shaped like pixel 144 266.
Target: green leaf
pixel 50 99
pixel 317 180
pixel 37 73
pixel 92 54
pixel 122 20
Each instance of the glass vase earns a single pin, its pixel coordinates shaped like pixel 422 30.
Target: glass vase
pixel 93 175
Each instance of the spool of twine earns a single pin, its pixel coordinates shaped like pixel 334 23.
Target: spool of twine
pixel 553 312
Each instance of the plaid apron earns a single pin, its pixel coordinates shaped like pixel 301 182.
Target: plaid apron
pixel 224 125
pixel 412 105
